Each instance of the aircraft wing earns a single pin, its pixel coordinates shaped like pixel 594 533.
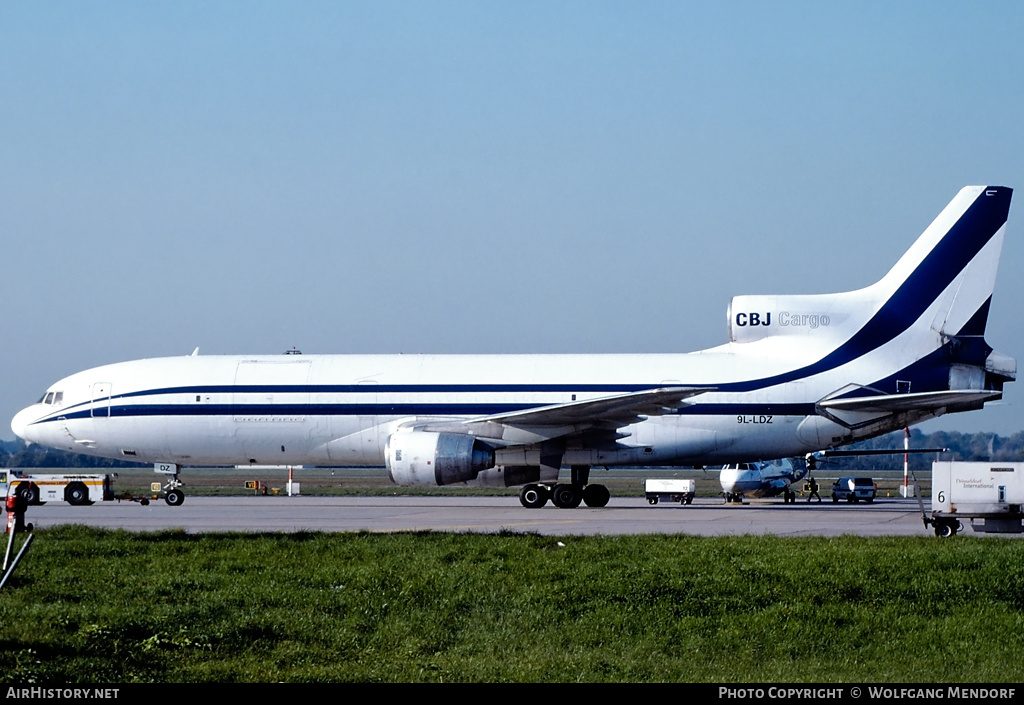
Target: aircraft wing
pixel 621 409
pixel 546 422
pixel 921 401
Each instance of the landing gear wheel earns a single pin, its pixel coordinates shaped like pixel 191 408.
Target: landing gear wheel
pixel 533 496
pixel 174 498
pixel 29 492
pixel 76 494
pixel 566 497
pixel 596 495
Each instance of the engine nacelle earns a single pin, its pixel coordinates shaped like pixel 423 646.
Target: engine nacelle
pixel 428 458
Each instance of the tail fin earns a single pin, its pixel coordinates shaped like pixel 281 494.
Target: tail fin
pixel 946 277
pixel 925 339
pixel 909 347
pixel 951 269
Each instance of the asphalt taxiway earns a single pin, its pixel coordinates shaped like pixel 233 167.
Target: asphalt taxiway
pixel 625 515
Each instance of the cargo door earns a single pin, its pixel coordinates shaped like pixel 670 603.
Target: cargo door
pixel 270 409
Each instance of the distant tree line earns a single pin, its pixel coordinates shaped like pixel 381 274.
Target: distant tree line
pixel 962 446
pixel 15 454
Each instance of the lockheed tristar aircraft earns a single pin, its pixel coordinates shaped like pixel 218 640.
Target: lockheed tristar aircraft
pixel 799 374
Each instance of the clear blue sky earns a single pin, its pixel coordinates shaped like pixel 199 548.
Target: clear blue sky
pixel 479 176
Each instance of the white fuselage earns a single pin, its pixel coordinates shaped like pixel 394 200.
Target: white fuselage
pixel 339 410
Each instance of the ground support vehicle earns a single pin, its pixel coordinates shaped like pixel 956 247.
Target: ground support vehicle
pixel 38 488
pixel 682 491
pixel 989 495
pixel 854 489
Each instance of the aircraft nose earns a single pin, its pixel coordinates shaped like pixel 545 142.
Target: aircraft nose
pixel 21 421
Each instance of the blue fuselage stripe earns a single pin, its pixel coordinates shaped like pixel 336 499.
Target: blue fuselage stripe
pixel 404 409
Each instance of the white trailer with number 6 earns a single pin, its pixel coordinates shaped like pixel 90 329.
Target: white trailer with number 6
pixel 38 488
pixel 989 495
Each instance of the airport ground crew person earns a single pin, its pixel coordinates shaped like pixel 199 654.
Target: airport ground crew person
pixel 812 485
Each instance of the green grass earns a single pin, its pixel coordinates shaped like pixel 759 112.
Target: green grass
pixel 95 606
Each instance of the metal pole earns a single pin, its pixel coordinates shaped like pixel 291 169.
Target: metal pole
pixel 10 545
pixel 17 560
pixel 906 458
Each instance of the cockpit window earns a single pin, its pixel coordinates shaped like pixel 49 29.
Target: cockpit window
pixel 52 398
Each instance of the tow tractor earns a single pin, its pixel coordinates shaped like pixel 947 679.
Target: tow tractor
pixel 36 488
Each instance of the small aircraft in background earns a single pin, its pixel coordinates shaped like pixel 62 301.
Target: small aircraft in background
pixel 768 478
pixel 760 478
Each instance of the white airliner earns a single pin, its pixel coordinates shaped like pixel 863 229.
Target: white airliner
pixel 799 374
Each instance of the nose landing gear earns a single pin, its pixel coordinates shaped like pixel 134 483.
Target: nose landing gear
pixel 173 494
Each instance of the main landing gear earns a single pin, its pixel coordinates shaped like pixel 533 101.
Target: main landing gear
pixel 566 496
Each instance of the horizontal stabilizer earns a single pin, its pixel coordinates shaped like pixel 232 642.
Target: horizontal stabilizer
pixel 892 403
